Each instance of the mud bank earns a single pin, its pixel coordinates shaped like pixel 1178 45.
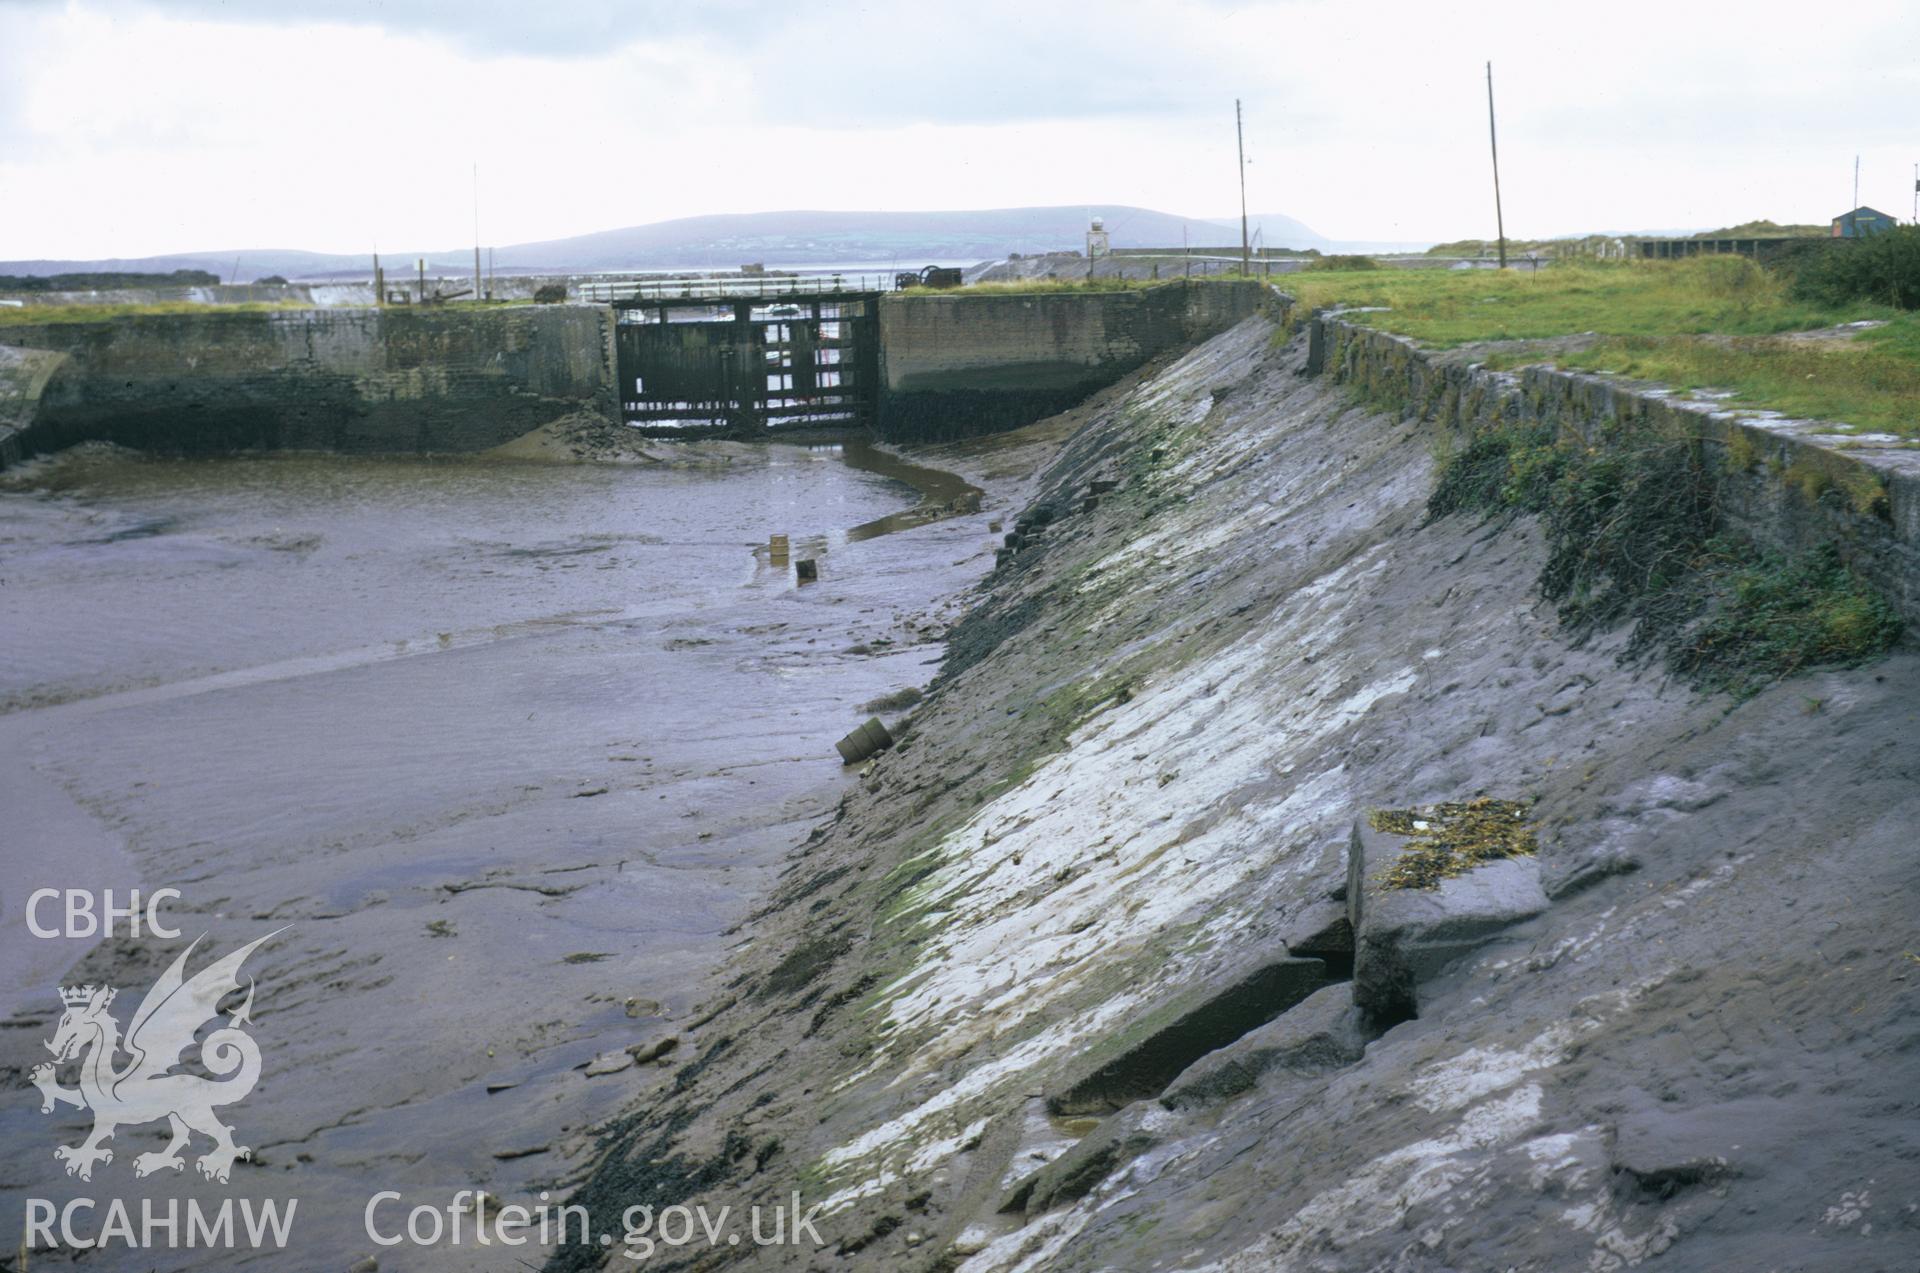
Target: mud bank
pixel 1096 969
pixel 499 750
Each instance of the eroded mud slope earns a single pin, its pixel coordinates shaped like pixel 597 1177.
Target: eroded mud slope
pixel 1070 982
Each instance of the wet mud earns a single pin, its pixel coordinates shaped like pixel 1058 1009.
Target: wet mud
pixel 503 751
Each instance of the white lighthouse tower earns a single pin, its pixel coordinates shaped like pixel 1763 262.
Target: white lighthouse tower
pixel 1097 238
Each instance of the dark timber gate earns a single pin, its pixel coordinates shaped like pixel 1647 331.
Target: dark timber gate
pixel 691 365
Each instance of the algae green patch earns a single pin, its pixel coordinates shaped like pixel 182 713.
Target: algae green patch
pixel 802 964
pixel 1452 838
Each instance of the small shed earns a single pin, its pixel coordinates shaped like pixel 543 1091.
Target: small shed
pixel 1862 220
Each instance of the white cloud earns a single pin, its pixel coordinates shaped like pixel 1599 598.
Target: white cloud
pixel 128 128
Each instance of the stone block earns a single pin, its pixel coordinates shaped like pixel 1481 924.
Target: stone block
pixel 1403 937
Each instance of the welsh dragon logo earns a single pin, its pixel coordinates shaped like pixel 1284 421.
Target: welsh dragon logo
pixel 144 1088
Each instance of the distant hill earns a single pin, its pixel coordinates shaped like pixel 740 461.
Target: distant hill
pixel 724 241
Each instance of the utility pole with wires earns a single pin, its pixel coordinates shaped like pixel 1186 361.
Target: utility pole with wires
pixel 478 294
pixel 1240 143
pixel 1493 141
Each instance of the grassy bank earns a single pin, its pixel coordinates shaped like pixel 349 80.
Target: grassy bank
pixel 1718 323
pixel 1022 285
pixel 34 315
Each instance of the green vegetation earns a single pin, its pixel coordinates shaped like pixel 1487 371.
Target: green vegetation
pixel 96 281
pixel 1635 534
pixel 1023 286
pixel 1719 322
pixel 1880 267
pixel 1869 381
pixel 1765 230
pixel 33 315
pixel 1720 295
pixel 1491 247
pixel 1339 262
pixel 1451 839
pixel 1777 615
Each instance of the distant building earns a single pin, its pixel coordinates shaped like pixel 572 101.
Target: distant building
pixel 1097 239
pixel 1862 220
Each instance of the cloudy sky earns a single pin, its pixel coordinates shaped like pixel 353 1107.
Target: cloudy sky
pixel 130 127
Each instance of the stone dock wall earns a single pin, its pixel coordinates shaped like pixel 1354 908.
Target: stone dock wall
pixel 351 380
pixel 24 374
pixel 1790 484
pixel 957 363
pixel 461 380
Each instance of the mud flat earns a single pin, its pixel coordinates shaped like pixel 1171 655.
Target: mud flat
pixel 1098 968
pixel 505 749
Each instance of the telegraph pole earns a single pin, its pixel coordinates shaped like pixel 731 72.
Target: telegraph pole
pixel 1493 141
pixel 1240 143
pixel 478 296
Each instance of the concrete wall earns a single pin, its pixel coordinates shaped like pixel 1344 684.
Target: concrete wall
pixel 953 364
pixel 398 380
pixel 343 380
pixel 1790 484
pixel 24 374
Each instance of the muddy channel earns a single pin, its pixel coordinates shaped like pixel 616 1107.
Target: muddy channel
pixel 501 751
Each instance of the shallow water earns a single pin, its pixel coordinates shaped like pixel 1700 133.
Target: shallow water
pixel 500 746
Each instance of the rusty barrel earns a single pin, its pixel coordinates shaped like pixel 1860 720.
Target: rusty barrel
pixel 863 742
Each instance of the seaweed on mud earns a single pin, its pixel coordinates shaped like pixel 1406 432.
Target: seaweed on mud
pixel 984 628
pixel 685 1077
pixel 649 1173
pixel 801 965
pixel 894 702
pixel 1452 838
pixel 839 999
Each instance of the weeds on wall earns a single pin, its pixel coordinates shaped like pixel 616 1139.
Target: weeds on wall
pixel 1771 616
pixel 1634 534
